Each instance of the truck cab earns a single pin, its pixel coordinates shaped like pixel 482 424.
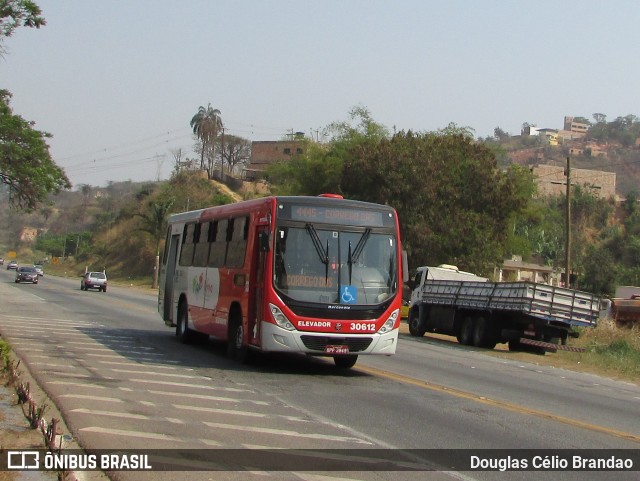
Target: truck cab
pixel 443 272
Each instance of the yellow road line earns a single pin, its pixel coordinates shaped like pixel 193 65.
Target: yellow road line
pixel 497 403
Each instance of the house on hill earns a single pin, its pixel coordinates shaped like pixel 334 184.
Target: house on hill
pixel 265 153
pixel 552 180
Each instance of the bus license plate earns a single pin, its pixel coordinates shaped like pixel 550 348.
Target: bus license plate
pixel 336 349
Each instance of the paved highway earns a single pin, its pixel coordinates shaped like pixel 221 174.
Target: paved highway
pixel 121 380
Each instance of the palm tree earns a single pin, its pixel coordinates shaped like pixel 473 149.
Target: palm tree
pixel 206 125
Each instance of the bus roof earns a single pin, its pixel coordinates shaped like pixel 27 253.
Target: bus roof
pixel 253 204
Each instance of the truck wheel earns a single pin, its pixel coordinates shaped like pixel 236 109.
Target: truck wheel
pixel 465 335
pixel 416 327
pixel 345 362
pixel 515 345
pixel 483 334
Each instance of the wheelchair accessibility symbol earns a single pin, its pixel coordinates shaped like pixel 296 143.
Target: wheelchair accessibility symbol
pixel 348 295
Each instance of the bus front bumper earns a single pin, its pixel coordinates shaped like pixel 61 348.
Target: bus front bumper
pixel 276 339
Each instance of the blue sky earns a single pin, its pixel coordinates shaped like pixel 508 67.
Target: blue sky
pixel 116 83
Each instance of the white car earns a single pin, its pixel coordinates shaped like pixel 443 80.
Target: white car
pixel 39 269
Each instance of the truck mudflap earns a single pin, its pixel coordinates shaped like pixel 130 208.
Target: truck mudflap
pixel 551 347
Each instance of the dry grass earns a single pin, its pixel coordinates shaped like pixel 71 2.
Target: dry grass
pixel 610 351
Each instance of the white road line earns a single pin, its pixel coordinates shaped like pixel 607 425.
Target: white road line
pixel 284 432
pixel 132 434
pixel 48 364
pixel 31 319
pixel 209 442
pixel 68 374
pixel 111 414
pixel 107 336
pixel 91 348
pixel 114 414
pixel 117 356
pixel 91 398
pixel 195 386
pixel 160 354
pixel 239 413
pixel 137 364
pixel 151 373
pixel 209 398
pixel 77 384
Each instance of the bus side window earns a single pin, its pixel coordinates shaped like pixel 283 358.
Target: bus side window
pixel 201 253
pixel 186 253
pixel 237 236
pixel 218 243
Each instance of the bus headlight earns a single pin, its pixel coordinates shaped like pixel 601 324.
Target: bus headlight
pixel 280 318
pixel 388 325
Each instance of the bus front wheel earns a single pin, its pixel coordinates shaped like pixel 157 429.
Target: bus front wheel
pixel 345 362
pixel 235 348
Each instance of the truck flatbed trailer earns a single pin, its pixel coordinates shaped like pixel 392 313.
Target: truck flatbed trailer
pixel 483 313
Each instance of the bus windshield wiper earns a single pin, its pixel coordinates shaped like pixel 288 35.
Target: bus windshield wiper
pixel 317 243
pixel 359 247
pixel 322 253
pixel 350 262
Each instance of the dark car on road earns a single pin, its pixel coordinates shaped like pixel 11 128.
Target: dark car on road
pixel 26 274
pixel 94 280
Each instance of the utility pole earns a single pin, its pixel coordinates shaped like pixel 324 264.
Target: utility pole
pixel 222 158
pixel 567 246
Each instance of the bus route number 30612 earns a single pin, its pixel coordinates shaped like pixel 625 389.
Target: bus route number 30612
pixel 363 326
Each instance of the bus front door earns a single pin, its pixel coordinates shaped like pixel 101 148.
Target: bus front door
pixel 256 294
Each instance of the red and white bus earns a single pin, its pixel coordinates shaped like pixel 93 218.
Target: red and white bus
pixel 314 275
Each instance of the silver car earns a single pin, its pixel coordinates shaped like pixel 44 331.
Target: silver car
pixel 94 280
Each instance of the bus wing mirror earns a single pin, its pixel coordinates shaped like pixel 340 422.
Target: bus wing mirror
pixel 405 267
pixel 263 241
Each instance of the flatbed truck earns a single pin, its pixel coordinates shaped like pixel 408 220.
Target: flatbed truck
pixel 526 315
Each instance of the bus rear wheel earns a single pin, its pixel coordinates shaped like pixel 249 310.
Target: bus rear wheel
pixel 183 333
pixel 345 362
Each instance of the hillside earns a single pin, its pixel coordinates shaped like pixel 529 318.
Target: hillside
pixel 608 154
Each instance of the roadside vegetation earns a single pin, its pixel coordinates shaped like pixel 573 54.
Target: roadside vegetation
pixel 610 351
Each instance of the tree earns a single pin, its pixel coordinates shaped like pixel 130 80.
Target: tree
pixel 235 151
pixel 317 171
pixel 154 223
pixel 320 169
pixel 206 125
pixel 18 13
pixel 453 202
pixel 25 162
pixel 599 118
pixel 500 134
pixel 455 129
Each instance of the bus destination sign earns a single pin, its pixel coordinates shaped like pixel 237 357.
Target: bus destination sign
pixel 332 215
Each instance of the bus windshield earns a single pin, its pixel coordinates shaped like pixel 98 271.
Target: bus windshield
pixel 320 265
